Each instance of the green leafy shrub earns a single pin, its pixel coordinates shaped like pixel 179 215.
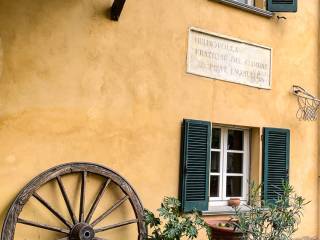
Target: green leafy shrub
pixel 270 221
pixel 171 224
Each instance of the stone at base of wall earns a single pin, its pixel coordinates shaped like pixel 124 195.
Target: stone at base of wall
pixel 307 238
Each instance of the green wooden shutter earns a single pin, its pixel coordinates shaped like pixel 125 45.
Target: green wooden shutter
pixel 282 5
pixel 276 150
pixel 194 179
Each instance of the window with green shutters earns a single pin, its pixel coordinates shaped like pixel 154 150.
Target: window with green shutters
pixel 263 7
pixel 276 150
pixel 207 155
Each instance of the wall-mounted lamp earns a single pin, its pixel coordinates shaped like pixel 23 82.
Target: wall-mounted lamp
pixel 116 9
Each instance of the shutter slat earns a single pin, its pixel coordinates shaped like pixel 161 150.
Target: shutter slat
pixel 195 165
pixel 276 162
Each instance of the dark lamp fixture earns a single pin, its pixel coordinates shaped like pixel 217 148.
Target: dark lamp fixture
pixel 116 9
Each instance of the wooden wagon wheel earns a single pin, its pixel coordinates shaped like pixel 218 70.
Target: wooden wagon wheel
pixel 82 227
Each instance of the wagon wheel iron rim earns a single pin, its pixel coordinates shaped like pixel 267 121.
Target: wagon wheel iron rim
pixel 83 226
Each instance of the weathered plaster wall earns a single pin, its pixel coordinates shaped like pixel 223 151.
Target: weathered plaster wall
pixel 76 86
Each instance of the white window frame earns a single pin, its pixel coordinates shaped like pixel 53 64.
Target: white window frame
pixel 222 200
pixel 249 2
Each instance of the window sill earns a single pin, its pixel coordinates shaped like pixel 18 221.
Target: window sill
pixel 247 8
pixel 222 210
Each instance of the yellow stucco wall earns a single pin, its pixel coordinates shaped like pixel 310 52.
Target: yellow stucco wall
pixel 75 86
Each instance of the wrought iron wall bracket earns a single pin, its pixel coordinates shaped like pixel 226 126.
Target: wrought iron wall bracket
pixel 116 9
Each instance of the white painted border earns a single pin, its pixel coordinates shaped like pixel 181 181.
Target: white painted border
pixel 199 30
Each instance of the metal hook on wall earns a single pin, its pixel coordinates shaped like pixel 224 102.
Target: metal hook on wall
pixel 281 17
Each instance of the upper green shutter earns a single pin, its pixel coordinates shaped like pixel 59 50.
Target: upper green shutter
pixel 282 5
pixel 195 156
pixel 276 150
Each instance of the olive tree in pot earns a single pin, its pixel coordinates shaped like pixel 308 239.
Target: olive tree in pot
pixel 171 224
pixel 276 220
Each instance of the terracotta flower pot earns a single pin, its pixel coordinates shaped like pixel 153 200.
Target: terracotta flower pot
pixel 234 202
pixel 221 231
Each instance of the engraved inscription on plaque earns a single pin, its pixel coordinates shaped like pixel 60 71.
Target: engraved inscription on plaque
pixel 224 58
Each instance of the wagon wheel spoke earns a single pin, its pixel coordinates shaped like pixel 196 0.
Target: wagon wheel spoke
pixel 97 200
pixel 97 238
pixel 117 225
pixel 110 210
pixel 54 212
pixel 82 195
pixel 66 199
pixel 66 238
pixel 43 226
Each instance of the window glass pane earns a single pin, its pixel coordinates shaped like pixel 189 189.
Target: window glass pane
pixel 235 140
pixel 234 186
pixel 234 163
pixel 216 133
pixel 215 162
pixel 214 186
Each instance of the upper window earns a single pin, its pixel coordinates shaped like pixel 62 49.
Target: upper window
pixel 229 164
pixel 263 7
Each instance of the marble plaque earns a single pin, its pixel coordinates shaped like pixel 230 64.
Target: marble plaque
pixel 219 57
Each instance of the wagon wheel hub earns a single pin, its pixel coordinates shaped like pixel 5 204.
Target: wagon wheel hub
pixel 82 231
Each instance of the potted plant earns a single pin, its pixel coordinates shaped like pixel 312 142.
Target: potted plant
pixel 224 230
pixel 276 220
pixel 171 224
pixel 234 202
